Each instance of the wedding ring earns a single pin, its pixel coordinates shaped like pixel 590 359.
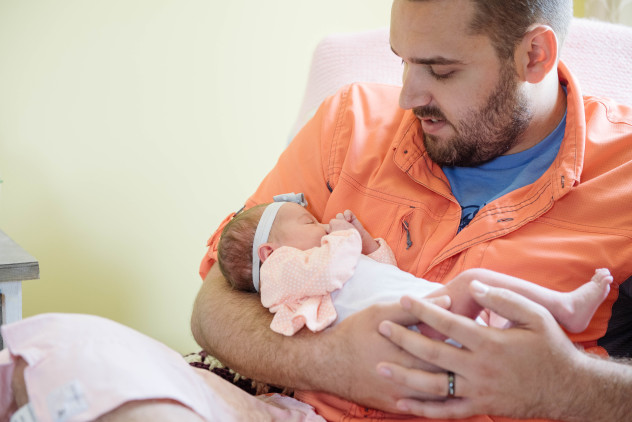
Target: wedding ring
pixel 450 384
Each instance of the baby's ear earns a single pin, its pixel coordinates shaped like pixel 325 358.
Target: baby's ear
pixel 265 250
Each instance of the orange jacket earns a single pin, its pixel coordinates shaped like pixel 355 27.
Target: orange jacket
pixel 362 152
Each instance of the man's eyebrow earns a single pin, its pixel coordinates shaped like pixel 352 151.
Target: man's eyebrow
pixel 437 60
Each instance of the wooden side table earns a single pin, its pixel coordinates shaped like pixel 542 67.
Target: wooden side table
pixel 16 265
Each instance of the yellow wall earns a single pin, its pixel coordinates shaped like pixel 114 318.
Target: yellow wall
pixel 130 128
pixel 578 8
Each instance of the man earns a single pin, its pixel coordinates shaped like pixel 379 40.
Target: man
pixel 492 159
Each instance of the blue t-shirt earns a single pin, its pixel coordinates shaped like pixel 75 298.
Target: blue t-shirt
pixel 474 187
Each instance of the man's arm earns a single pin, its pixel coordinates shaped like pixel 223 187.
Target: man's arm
pixel 234 327
pixel 527 371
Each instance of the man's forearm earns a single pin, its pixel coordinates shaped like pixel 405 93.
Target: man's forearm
pixel 602 392
pixel 234 327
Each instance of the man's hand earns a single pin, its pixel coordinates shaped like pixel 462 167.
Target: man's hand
pixel 356 347
pixel 519 372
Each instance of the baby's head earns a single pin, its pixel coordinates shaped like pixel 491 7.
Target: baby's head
pixel 292 226
pixel 234 250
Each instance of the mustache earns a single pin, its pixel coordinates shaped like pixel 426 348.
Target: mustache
pixel 429 112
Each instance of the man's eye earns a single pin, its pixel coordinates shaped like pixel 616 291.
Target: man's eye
pixel 439 75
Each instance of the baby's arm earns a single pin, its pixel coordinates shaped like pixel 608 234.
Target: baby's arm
pixel 296 285
pixel 369 245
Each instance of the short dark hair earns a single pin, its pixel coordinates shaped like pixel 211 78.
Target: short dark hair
pixel 505 22
pixel 234 250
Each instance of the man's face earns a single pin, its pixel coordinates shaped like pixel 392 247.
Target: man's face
pixel 468 101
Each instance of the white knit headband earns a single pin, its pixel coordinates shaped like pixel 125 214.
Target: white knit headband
pixel 265 225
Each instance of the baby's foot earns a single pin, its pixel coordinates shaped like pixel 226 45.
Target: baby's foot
pixel 584 301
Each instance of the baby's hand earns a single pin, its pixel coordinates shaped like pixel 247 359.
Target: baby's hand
pixel 369 245
pixel 337 224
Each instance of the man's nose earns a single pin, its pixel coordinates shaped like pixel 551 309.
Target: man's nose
pixel 414 91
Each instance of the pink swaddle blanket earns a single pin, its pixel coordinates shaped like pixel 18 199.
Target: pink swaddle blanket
pixel 81 367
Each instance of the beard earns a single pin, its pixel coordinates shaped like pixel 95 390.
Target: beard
pixel 483 134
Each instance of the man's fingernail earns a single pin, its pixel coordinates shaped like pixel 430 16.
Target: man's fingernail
pixel 402 406
pixel 479 287
pixel 385 329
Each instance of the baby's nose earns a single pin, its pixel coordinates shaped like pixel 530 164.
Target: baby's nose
pixel 326 227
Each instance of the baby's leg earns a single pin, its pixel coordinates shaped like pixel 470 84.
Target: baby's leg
pixel 461 301
pixel 573 310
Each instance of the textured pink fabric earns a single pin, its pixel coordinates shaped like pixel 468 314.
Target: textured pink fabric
pixel 81 367
pixel 101 363
pixel 296 285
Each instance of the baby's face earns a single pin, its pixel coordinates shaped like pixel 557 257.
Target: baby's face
pixel 294 226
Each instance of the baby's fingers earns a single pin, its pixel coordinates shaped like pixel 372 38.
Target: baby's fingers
pixel 349 216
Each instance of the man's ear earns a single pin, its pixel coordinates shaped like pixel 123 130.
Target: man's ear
pixel 265 250
pixel 536 54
